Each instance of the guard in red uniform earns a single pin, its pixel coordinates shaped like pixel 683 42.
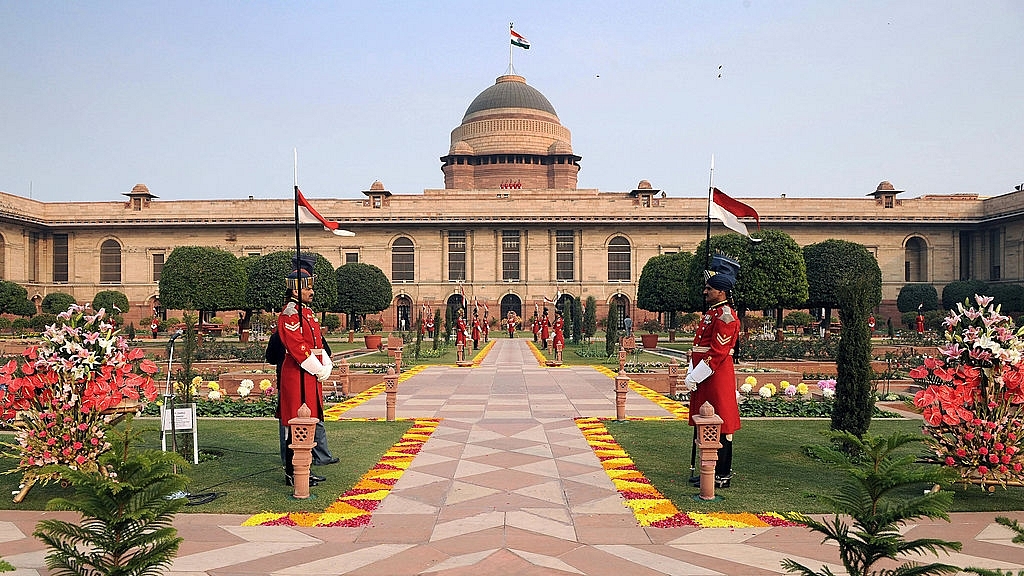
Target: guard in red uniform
pixel 712 377
pixel 920 323
pixel 511 320
pixel 429 324
pixel 461 330
pixel 476 332
pixel 306 364
pixel 545 330
pixel 559 337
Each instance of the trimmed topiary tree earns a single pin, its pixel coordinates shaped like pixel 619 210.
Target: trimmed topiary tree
pixel 913 295
pixel 1010 297
pixel 114 302
pixel 14 299
pixel 590 318
pixel 56 302
pixel 956 292
pixel 362 289
pixel 611 332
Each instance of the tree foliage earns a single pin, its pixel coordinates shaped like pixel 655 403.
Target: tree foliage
pixel 776 278
pixel 736 247
pixel 611 331
pixel 115 303
pixel 833 264
pixel 202 278
pixel 362 289
pixel 662 284
pixel 1010 297
pixel 590 318
pixel 14 299
pixel 57 302
pixel 266 286
pixel 578 321
pixel 956 292
pixel 854 401
pixel 913 295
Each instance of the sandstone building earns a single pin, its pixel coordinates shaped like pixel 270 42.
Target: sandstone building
pixel 510 227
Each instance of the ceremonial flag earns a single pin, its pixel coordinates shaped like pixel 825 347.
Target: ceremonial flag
pixel 729 211
pixel 518 40
pixel 308 215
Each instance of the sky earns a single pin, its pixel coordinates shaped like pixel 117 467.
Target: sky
pixel 208 100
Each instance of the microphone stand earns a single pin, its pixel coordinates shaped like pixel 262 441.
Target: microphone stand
pixel 169 396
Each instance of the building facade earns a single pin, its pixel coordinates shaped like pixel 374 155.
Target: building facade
pixel 509 229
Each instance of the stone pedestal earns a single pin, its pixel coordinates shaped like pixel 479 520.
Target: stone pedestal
pixel 460 356
pixel 343 378
pixel 709 428
pixel 391 393
pixel 673 377
pixel 303 429
pixel 621 387
pixel 351 336
pixel 398 361
pixel 622 358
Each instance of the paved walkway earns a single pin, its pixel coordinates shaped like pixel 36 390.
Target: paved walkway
pixel 507 484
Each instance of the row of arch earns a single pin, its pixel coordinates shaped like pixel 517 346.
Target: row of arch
pixel 405 317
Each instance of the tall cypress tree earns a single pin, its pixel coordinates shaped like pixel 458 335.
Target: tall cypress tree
pixel 590 319
pixel 611 333
pixel 577 325
pixel 437 328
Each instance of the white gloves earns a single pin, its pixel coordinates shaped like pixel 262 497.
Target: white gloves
pixel 313 365
pixel 328 368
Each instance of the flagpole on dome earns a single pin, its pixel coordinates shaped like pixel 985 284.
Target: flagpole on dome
pixel 707 243
pixel 511 47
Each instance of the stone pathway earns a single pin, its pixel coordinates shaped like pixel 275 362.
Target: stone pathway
pixel 507 484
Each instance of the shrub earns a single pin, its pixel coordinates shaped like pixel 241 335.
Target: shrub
pixel 651 326
pixel 798 318
pixel 332 322
pixel 41 321
pixel 913 295
pixel 1010 297
pixel 956 292
pixel 56 302
pixel 111 301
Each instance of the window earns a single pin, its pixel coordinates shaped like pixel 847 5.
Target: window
pixel 110 262
pixel 915 263
pixel 60 257
pixel 351 257
pixel 403 260
pixel 966 250
pixel 565 247
pixel 995 254
pixel 456 255
pixel 33 257
pixel 158 265
pixel 618 260
pixel 510 255
pixel 376 199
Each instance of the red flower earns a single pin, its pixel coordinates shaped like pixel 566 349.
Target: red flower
pixel 950 461
pixel 982 470
pixel 148 366
pixel 932 416
pixel 944 374
pixel 993 458
pixel 919 373
pixel 932 363
pixel 983 451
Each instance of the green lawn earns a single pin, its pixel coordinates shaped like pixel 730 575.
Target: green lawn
pixel 241 463
pixel 772 472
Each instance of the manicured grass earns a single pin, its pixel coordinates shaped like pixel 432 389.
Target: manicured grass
pixel 772 473
pixel 240 462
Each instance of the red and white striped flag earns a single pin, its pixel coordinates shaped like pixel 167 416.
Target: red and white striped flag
pixel 518 40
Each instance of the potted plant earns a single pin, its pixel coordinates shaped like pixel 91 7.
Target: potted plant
pixel 650 339
pixel 371 338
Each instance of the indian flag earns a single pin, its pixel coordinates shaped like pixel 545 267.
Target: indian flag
pixel 518 40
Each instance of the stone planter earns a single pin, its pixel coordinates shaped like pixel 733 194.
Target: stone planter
pixel 372 341
pixel 650 341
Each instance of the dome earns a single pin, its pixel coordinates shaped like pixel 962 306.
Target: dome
pixel 510 91
pixel 884 186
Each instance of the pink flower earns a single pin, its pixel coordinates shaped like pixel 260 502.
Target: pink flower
pixel 1005 459
pixel 94 441
pixel 961 452
pixel 950 461
pixel 998 446
pixel 993 458
pixel 968 435
pixel 983 451
pixel 1017 467
pixel 983 470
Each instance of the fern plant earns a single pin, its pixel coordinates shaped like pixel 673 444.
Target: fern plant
pixel 126 513
pixel 878 494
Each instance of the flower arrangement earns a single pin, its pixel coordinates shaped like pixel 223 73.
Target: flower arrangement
pixel 828 388
pixel 767 391
pixel 245 387
pixel 214 393
pixel 266 387
pixel 789 390
pixel 973 402
pixel 802 389
pixel 64 391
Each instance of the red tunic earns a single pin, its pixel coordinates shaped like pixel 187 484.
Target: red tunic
pixel 476 330
pixel 544 328
pixel 716 335
pixel 559 336
pixel 299 340
pixel 460 331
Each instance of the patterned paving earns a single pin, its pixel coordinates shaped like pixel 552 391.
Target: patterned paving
pixel 507 483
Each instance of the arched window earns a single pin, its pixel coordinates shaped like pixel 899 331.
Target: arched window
pixel 403 260
pixel 110 262
pixel 618 260
pixel 915 265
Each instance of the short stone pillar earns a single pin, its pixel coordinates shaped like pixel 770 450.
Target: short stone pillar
pixel 622 358
pixel 343 378
pixel 673 377
pixel 709 428
pixel 351 336
pixel 558 352
pixel 621 387
pixel 398 360
pixel 460 355
pixel 391 393
pixel 303 429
